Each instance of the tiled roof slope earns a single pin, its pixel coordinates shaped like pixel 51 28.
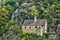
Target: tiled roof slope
pixel 32 23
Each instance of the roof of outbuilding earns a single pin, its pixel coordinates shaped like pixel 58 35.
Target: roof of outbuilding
pixel 32 23
pixel 58 27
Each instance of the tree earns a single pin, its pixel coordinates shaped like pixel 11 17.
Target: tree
pixel 14 27
pixel 34 11
pixel 3 19
pixel 57 11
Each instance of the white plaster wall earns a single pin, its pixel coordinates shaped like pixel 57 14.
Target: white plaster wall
pixel 33 29
pixel 40 30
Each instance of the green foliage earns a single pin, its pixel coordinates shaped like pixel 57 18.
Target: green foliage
pixel 28 36
pixel 48 9
pixel 14 27
pixel 3 19
pixel 34 11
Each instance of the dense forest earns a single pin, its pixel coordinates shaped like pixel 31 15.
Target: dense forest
pixel 43 9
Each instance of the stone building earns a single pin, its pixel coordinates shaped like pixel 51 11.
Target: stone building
pixel 37 26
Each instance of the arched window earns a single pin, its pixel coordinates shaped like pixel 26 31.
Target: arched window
pixel 25 27
pixel 35 26
pixel 42 25
pixel 39 26
pixel 30 27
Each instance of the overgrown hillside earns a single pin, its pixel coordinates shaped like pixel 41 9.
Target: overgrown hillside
pixel 26 9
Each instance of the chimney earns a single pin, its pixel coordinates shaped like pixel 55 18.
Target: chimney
pixel 35 18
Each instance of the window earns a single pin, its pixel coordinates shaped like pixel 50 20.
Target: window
pixel 35 26
pixel 39 27
pixel 42 25
pixel 30 27
pixel 25 27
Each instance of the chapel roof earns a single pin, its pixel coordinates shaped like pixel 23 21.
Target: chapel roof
pixel 32 23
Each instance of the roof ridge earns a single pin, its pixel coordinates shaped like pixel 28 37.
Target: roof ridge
pixel 37 23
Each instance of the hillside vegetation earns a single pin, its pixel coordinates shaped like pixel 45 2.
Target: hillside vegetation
pixel 27 9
